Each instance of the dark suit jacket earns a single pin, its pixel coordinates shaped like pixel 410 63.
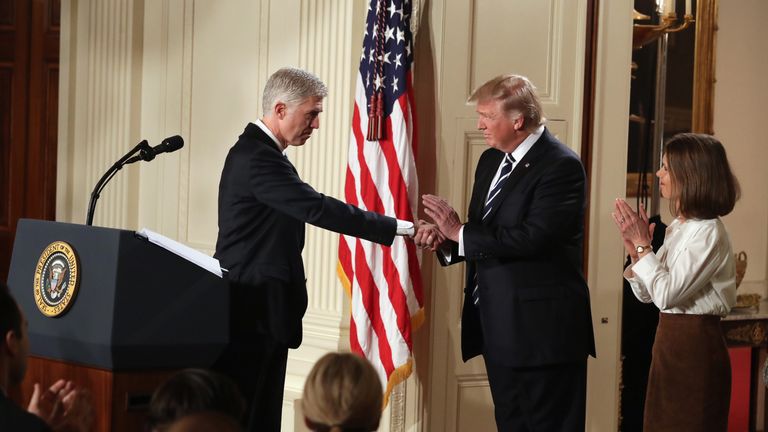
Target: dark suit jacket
pixel 263 205
pixel 534 304
pixel 14 418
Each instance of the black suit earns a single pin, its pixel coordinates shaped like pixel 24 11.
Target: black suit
pixel 532 322
pixel 14 418
pixel 263 205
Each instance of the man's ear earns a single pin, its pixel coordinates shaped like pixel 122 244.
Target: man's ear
pixel 11 342
pixel 519 122
pixel 280 110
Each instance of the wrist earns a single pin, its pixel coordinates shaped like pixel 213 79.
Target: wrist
pixel 643 248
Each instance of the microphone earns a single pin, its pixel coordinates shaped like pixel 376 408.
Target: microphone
pixel 147 153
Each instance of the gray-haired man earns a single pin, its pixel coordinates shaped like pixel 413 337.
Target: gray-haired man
pixel 263 206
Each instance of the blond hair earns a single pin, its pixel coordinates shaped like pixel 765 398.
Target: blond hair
pixel 290 86
pixel 517 94
pixel 342 393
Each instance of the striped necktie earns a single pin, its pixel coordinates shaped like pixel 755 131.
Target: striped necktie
pixel 506 170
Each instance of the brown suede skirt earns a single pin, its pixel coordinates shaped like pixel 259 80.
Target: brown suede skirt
pixel 689 384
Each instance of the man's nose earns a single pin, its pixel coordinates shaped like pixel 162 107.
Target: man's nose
pixel 315 123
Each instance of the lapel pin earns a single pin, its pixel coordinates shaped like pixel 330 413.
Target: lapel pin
pixel 527 165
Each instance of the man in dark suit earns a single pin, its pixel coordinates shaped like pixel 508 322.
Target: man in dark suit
pixel 61 407
pixel 526 304
pixel 263 206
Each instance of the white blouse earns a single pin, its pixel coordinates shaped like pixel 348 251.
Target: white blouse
pixel 694 272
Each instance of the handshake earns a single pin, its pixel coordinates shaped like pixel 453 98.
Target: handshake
pixel 446 224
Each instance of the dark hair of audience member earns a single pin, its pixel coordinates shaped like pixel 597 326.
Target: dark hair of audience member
pixel 194 391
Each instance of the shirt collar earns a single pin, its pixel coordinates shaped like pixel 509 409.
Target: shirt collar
pixel 527 143
pixel 269 133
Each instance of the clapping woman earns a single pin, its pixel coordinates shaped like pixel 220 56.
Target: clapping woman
pixel 691 279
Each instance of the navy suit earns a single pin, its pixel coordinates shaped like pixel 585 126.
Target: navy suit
pixel 533 320
pixel 263 206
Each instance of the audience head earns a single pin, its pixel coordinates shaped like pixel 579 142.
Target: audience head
pixel 205 422
pixel 697 177
pixel 14 347
pixel 342 393
pixel 194 391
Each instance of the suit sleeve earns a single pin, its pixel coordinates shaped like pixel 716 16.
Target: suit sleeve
pixel 275 183
pixel 453 249
pixel 556 207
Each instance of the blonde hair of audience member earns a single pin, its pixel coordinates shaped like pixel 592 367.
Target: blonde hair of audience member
pixel 516 95
pixel 342 393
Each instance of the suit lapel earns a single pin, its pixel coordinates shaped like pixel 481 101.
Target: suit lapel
pixel 526 165
pixel 480 191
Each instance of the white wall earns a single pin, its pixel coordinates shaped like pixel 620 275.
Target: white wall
pixel 741 92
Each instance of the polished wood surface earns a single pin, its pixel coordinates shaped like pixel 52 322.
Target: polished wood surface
pixel 120 399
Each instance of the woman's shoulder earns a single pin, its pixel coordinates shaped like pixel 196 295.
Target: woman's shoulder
pixel 711 228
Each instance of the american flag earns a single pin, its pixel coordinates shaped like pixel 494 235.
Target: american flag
pixel 384 283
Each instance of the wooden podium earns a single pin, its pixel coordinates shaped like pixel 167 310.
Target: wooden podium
pixel 138 313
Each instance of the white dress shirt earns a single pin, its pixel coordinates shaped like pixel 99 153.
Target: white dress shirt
pixel 694 272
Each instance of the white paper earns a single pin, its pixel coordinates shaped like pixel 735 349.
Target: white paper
pixel 194 256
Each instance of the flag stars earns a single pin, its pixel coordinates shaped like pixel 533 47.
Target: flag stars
pixel 400 35
pixel 378 82
pixel 375 32
pixel 397 61
pixel 393 10
pixel 385 58
pixel 389 33
pixel 394 85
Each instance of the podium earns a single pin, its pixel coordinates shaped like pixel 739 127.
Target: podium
pixel 113 312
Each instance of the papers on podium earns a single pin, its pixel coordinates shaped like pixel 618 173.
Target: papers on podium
pixel 194 256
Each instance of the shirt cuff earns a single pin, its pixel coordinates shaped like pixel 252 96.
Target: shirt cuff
pixel 405 228
pixel 461 241
pixel 644 267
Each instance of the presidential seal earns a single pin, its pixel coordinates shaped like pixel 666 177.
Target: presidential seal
pixel 56 278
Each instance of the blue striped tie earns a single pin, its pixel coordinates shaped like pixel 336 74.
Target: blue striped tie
pixel 506 170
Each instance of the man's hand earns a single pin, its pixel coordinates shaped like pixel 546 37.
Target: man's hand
pixel 428 236
pixel 63 407
pixel 445 217
pixel 48 405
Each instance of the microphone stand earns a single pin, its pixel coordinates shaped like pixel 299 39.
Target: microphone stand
pixel 143 146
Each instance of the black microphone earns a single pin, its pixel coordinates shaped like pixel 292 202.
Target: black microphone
pixel 170 144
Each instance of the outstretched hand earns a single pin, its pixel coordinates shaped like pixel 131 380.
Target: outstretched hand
pixel 428 236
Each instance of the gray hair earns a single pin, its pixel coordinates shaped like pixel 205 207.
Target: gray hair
pixel 517 94
pixel 291 85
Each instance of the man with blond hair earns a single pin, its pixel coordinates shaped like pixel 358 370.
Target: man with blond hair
pixel 526 304
pixel 263 206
